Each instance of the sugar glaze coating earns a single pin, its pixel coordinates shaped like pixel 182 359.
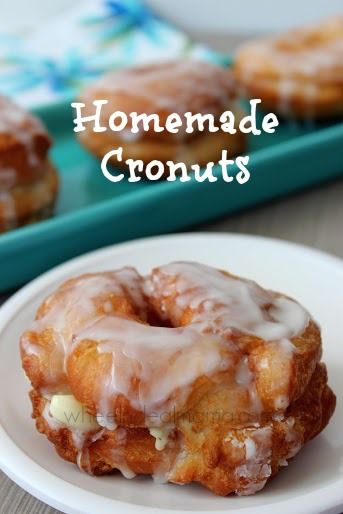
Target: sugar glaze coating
pixel 154 359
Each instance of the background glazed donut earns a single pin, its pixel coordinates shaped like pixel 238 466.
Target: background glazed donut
pixel 24 145
pixel 163 89
pixel 153 360
pixel 28 203
pixel 297 74
pixel 28 180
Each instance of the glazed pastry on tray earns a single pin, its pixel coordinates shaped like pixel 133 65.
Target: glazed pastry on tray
pixel 297 74
pixel 187 374
pixel 28 180
pixel 164 89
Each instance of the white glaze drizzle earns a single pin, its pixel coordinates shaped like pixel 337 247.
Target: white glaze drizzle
pixel 170 87
pixel 303 60
pixel 293 438
pixel 256 469
pixel 305 52
pixel 85 451
pixel 183 354
pixel 53 423
pixel 226 304
pixel 81 439
pixel 75 306
pixel 21 125
pixel 38 194
pixel 221 305
pixel 118 454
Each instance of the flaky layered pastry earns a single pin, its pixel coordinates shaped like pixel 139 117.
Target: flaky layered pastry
pixel 187 374
pixel 298 74
pixel 164 89
pixel 28 180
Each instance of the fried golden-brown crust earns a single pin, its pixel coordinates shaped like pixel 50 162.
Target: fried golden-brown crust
pixel 230 429
pixel 164 89
pixel 262 356
pixel 298 74
pixel 84 368
pixel 307 417
pixel 41 354
pixel 24 144
pixel 29 202
pixel 28 180
pixel 211 451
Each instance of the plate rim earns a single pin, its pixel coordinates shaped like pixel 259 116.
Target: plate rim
pixel 31 473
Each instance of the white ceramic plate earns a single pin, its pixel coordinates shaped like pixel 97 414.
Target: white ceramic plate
pixel 312 483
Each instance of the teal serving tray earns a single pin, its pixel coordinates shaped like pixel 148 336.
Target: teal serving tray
pixel 92 212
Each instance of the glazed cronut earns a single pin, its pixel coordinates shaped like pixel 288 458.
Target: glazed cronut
pixel 28 179
pixel 187 374
pixel 297 74
pixel 163 89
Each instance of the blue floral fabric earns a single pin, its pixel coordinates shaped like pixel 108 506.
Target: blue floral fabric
pixel 57 60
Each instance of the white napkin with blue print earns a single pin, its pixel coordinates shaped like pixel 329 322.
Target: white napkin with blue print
pixel 52 64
